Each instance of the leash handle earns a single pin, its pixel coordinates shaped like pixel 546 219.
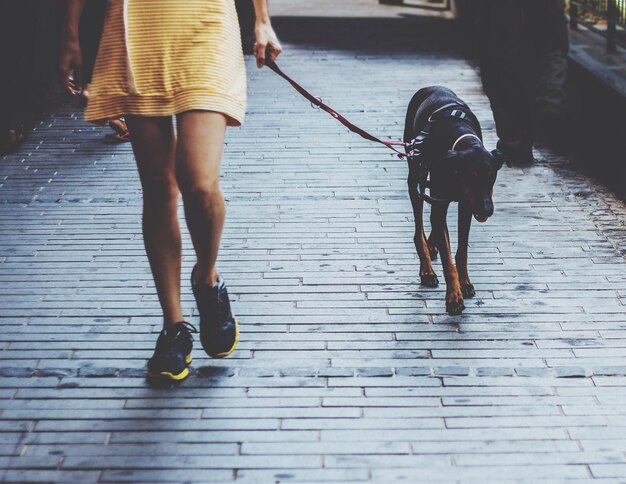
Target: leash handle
pixel 320 104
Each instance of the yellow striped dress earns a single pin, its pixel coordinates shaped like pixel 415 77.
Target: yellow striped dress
pixel 162 57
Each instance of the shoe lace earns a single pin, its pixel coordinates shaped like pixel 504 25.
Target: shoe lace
pixel 216 302
pixel 223 304
pixel 171 340
pixel 187 326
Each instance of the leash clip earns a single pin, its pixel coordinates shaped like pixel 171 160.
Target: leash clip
pixel 413 154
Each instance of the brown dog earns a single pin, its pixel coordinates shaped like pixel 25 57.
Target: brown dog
pixel 446 145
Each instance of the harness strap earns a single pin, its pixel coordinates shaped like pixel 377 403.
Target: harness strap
pixel 316 101
pixel 468 135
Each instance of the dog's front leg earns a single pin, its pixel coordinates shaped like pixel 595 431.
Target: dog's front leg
pixel 454 296
pixel 465 222
pixel 428 278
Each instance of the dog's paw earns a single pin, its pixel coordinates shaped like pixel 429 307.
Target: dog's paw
pixel 429 280
pixel 434 253
pixel 454 308
pixel 468 291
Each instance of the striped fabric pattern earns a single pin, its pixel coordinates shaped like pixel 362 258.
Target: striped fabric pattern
pixel 162 57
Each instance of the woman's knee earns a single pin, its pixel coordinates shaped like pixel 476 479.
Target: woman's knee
pixel 163 189
pixel 205 193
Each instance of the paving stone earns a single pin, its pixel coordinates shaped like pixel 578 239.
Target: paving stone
pixel 194 462
pixel 212 372
pixel 451 371
pixel 258 372
pixel 16 372
pixel 494 371
pixel 521 473
pixel 416 371
pixel 374 372
pixel 335 372
pixel 608 470
pixel 453 435
pixel 303 475
pixel 148 425
pixel 132 449
pixel 167 475
pixel 174 436
pixel 60 372
pixel 610 371
pixel 570 372
pixel 571 458
pixel 318 448
pixel 533 372
pixel 66 438
pixel 130 373
pixel 30 475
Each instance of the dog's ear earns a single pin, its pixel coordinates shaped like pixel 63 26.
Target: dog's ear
pixel 499 158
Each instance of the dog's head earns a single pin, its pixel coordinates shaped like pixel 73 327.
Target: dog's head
pixel 475 171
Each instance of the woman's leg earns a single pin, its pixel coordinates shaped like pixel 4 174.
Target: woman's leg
pixel 198 156
pixel 154 145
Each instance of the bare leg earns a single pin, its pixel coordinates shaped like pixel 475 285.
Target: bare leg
pixel 465 222
pixel 198 156
pixel 154 145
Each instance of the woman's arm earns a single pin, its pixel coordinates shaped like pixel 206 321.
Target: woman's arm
pixel 266 40
pixel 70 58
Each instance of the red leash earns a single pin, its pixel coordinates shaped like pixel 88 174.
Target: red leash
pixel 320 104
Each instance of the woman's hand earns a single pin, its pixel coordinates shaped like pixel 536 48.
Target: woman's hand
pixel 266 44
pixel 70 57
pixel 70 64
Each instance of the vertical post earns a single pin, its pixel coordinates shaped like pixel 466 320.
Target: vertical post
pixel 611 20
pixel 573 15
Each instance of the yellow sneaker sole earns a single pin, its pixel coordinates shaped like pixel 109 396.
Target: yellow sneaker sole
pixel 229 352
pixel 173 376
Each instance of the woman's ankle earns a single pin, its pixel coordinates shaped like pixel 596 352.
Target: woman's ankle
pixel 205 276
pixel 171 321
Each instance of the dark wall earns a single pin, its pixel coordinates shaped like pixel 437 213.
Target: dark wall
pixel 30 39
pixel 599 131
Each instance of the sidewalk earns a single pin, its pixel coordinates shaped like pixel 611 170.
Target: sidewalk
pixel 347 370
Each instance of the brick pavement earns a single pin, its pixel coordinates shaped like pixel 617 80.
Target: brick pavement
pixel 347 370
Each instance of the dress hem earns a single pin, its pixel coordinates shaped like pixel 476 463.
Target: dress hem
pixel 102 108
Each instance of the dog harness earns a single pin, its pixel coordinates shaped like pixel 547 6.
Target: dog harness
pixel 418 146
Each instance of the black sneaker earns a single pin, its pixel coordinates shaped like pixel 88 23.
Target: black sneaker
pixel 172 354
pixel 219 330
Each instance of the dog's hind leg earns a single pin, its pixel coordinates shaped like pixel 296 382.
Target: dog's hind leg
pixel 465 222
pixel 454 296
pixel 428 277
